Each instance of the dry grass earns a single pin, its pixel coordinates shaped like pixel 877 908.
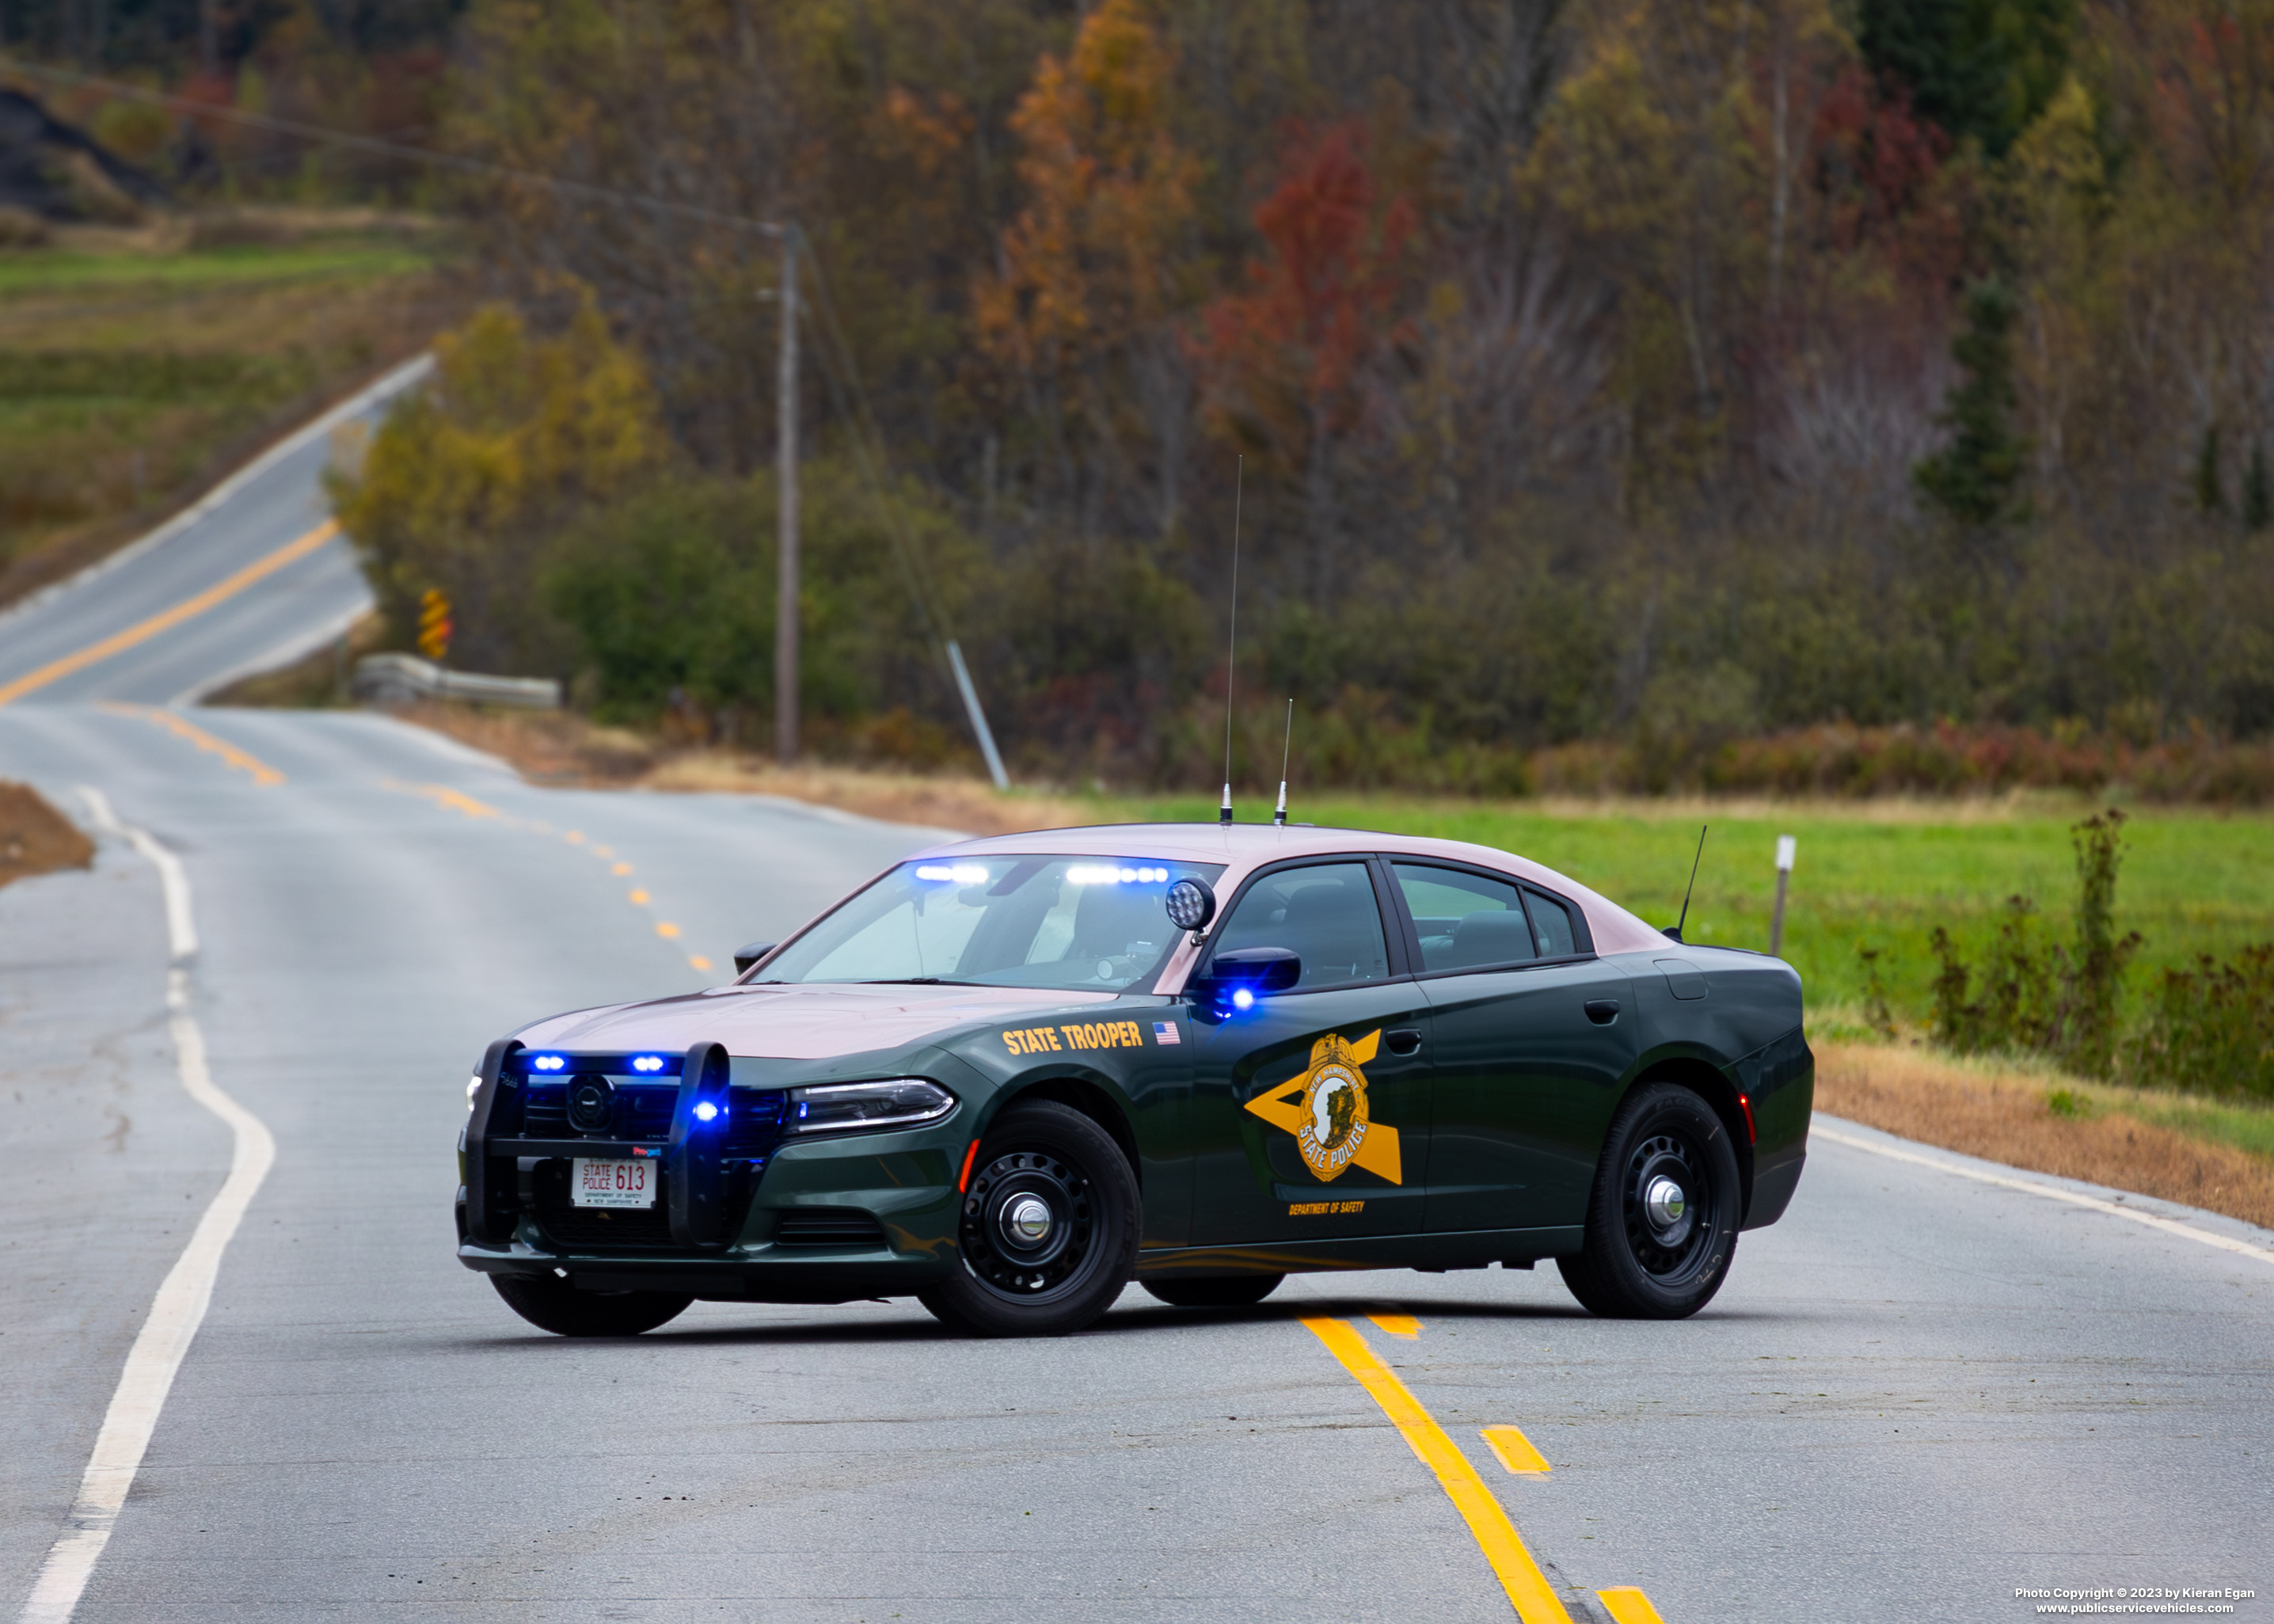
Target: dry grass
pixel 35 837
pixel 560 748
pixel 2002 1114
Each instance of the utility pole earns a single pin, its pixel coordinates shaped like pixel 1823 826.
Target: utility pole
pixel 786 706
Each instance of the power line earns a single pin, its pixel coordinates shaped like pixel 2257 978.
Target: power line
pixel 587 190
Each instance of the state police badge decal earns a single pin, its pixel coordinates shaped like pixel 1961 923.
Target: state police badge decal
pixel 1326 1109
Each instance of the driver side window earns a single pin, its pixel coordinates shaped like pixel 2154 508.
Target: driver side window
pixel 1325 915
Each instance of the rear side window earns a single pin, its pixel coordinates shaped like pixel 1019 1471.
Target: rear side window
pixel 1325 915
pixel 1551 925
pixel 1466 920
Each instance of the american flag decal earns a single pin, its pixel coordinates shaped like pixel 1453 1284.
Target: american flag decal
pixel 1165 1032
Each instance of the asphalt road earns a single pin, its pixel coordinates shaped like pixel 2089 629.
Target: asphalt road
pixel 251 521
pixel 1917 1393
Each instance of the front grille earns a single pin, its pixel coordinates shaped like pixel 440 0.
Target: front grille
pixel 588 1229
pixel 641 1113
pixel 828 1226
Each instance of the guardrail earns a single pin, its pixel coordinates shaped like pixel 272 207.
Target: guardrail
pixel 401 679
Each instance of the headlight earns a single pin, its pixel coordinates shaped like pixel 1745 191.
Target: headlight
pixel 473 1088
pixel 898 1102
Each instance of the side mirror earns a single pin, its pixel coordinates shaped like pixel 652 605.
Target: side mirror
pixel 1237 977
pixel 749 955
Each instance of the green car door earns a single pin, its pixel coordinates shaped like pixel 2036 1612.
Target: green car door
pixel 1533 1033
pixel 1311 1108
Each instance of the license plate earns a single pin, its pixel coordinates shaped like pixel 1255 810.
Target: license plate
pixel 594 1183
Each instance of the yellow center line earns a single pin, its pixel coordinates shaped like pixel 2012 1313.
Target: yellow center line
pixel 1629 1605
pixel 1514 1451
pixel 1527 1587
pixel 1398 1325
pixel 263 774
pixel 165 619
pixel 458 800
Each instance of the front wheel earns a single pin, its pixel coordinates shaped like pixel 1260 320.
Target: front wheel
pixel 1662 1220
pixel 1048 1234
pixel 552 1304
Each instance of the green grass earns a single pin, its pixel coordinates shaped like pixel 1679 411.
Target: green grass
pixel 131 375
pixel 1869 875
pixel 79 272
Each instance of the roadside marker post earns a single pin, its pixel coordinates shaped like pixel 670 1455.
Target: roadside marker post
pixel 434 625
pixel 1785 847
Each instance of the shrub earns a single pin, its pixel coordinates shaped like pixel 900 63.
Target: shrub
pixel 2209 1028
pixel 2052 998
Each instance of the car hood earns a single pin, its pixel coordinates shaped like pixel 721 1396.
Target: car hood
pixel 799 1023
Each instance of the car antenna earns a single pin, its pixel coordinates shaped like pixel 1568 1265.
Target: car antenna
pixel 1676 932
pixel 1231 650
pixel 1279 817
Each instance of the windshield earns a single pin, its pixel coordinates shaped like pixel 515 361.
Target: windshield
pixel 1086 924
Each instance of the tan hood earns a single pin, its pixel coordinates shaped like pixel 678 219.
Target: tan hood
pixel 797 1023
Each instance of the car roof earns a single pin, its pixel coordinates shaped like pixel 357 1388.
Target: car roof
pixel 1244 847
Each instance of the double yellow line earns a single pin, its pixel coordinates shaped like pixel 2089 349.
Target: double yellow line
pixel 165 619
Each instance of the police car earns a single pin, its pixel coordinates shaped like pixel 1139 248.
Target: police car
pixel 1009 1075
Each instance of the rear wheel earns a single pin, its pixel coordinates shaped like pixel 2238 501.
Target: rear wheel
pixel 1662 1218
pixel 1048 1234
pixel 1222 1291
pixel 552 1304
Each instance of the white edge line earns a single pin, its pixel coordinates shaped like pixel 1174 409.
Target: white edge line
pixel 299 645
pixel 394 383
pixel 179 1307
pixel 2051 1192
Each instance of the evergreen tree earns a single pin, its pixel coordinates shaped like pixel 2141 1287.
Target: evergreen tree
pixel 2257 500
pixel 2210 494
pixel 1978 67
pixel 1976 480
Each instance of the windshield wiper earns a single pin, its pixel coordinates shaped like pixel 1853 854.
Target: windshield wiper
pixel 920 980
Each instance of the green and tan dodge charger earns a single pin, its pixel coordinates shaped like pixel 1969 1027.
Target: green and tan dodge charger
pixel 1009 1075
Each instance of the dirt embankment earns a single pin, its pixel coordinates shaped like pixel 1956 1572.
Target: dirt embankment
pixel 2010 1116
pixel 35 837
pixel 558 748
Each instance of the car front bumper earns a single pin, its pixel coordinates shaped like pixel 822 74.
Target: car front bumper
pixel 829 1220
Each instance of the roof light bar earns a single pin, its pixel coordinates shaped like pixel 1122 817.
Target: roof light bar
pixel 1106 874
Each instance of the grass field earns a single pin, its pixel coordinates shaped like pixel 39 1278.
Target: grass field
pixel 1874 874
pixel 136 368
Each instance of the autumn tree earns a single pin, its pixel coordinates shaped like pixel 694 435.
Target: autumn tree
pixel 1095 265
pixel 1297 362
pixel 471 479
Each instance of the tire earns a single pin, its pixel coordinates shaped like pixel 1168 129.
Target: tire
pixel 1639 1261
pixel 1006 1283
pixel 1222 1291
pixel 553 1305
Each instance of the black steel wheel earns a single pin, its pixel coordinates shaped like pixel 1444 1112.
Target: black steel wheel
pixel 1217 1291
pixel 552 1304
pixel 1048 1234
pixel 1662 1218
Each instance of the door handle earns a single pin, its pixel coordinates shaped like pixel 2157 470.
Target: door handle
pixel 1404 1041
pixel 1602 1012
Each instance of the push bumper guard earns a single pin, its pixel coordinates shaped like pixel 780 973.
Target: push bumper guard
pixel 694 1184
